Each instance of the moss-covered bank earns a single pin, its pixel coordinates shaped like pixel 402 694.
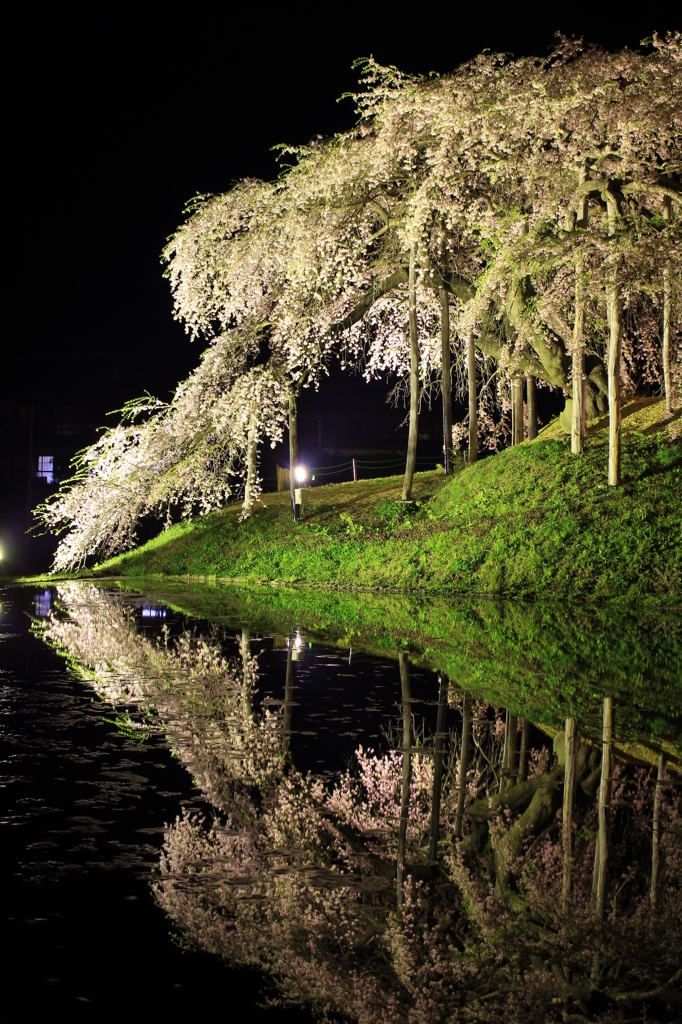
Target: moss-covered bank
pixel 529 521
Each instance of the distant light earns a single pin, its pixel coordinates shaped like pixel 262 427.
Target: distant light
pixel 1 555
pixel 301 474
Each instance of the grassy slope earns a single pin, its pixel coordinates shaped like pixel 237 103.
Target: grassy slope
pixel 528 520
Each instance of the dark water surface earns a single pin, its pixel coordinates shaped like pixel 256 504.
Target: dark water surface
pixel 83 810
pixel 187 825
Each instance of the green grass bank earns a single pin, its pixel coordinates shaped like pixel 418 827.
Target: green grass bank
pixel 531 520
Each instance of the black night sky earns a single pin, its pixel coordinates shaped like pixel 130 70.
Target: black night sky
pixel 114 119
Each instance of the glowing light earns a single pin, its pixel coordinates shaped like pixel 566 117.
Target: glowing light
pixel 152 612
pixel 43 603
pixel 301 474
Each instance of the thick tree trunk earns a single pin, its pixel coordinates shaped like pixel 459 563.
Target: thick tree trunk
pixel 656 833
pixel 615 318
pixel 570 789
pixel 473 406
pixel 531 398
pixel 463 764
pixel 446 380
pixel 411 461
pixel 667 324
pixel 525 748
pixel 438 765
pixel 293 454
pixel 407 774
pixel 601 854
pixel 517 410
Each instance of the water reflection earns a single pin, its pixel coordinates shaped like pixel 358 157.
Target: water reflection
pixel 464 872
pixel 43 603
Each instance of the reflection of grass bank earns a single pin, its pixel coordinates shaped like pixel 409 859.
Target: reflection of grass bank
pixel 531 519
pixel 544 661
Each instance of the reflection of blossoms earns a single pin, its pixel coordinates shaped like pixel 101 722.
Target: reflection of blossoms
pixel 201 700
pixel 298 877
pixel 307 893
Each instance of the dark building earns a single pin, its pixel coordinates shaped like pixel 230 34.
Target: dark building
pixel 50 408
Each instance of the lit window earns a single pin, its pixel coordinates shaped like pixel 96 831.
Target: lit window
pixel 149 611
pixel 46 468
pixel 42 603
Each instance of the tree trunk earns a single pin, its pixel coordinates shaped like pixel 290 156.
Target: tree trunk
pixel 570 788
pixel 578 357
pixel 473 409
pixel 289 681
pixel 251 453
pixel 411 460
pixel 509 752
pixel 463 764
pixel 656 833
pixel 446 380
pixel 293 453
pixel 601 854
pixel 531 398
pixel 615 318
pixel 245 651
pixel 667 325
pixel 578 366
pixel 407 774
pixel 523 754
pixel 517 410
pixel 438 765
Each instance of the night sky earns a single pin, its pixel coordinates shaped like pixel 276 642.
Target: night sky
pixel 116 119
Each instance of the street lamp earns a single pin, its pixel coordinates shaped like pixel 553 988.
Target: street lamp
pixel 300 477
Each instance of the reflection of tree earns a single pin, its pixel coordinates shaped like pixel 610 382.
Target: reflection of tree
pixel 201 700
pixel 312 901
pixel 298 877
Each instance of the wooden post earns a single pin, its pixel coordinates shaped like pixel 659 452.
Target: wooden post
pixel 656 833
pixel 411 461
pixel 463 764
pixel 407 774
pixel 570 789
pixel 615 319
pixel 473 408
pixel 446 380
pixel 523 755
pixel 667 323
pixel 355 470
pixel 601 855
pixel 531 398
pixel 438 765
pixel 293 453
